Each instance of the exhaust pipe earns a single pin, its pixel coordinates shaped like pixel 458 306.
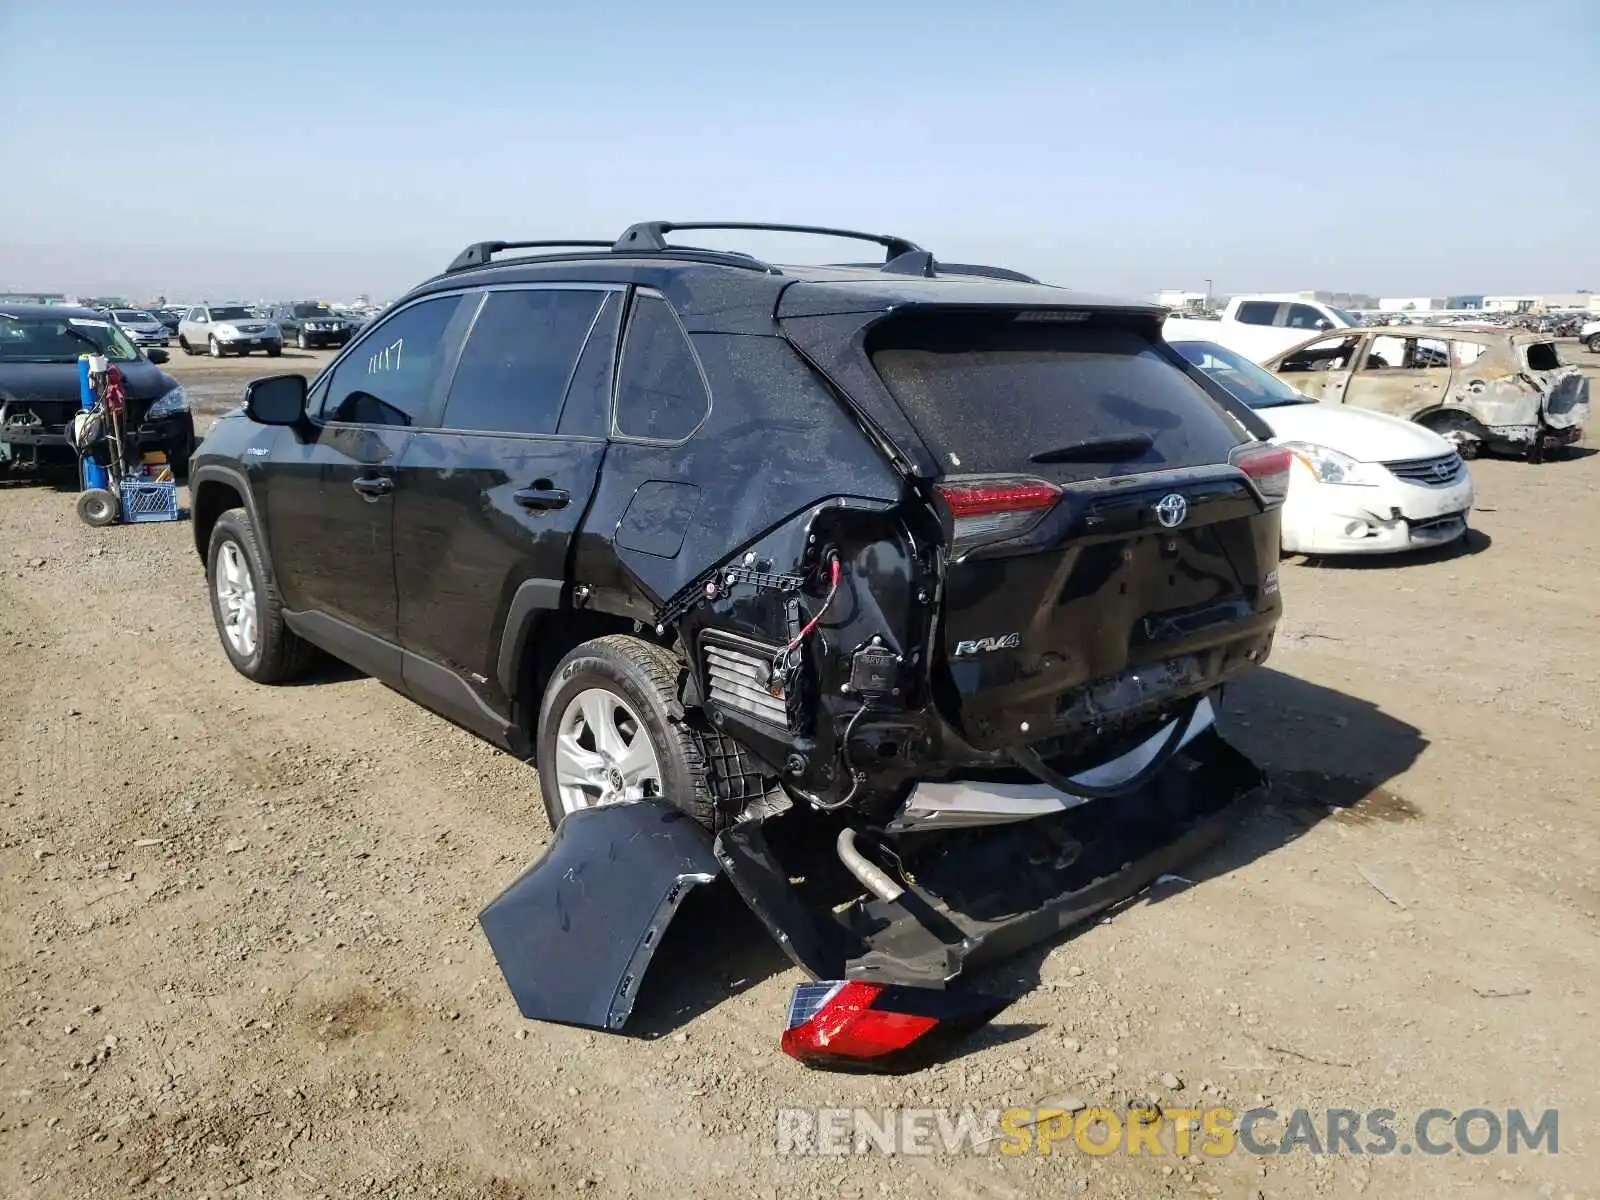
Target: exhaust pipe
pixel 869 875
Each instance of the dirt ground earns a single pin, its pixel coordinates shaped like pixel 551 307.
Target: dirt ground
pixel 239 953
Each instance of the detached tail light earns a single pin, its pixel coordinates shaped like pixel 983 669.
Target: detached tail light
pixel 856 1026
pixel 1267 467
pixel 993 510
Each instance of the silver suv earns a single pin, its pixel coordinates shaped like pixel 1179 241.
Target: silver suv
pixel 220 329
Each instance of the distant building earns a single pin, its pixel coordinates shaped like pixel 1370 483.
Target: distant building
pixel 1464 302
pixel 1413 303
pixel 1510 304
pixel 1183 302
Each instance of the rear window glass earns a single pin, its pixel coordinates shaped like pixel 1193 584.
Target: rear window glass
pixel 988 395
pixel 1543 356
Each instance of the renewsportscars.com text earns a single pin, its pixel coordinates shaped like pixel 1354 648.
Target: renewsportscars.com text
pixel 1212 1131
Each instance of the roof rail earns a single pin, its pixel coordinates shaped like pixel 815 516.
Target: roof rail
pixel 932 268
pixel 651 235
pixel 479 253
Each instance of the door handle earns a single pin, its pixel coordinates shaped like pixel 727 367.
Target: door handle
pixel 373 488
pixel 542 499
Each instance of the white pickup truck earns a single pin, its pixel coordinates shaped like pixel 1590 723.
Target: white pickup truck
pixel 1260 327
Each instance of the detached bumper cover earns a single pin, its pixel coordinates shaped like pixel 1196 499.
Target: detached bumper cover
pixel 574 934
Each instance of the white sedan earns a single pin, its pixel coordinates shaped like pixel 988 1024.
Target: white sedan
pixel 1362 482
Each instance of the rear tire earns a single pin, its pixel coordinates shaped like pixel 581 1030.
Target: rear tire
pixel 1460 430
pixel 274 654
pixel 183 344
pixel 704 774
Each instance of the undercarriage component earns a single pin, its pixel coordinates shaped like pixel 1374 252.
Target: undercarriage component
pixel 977 895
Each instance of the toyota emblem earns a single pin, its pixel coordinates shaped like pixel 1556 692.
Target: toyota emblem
pixel 1171 510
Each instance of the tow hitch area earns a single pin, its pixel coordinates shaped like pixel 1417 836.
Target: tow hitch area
pixel 884 921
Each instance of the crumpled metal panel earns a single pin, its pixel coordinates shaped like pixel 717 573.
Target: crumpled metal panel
pixel 575 933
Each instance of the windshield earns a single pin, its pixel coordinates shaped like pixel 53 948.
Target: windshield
pixel 61 339
pixel 312 310
pixel 1348 317
pixel 134 315
pixel 1255 386
pixel 237 313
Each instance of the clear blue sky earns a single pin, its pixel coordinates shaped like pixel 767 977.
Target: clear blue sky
pixel 335 146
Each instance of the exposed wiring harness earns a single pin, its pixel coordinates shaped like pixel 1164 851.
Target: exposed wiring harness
pixel 856 777
pixel 781 661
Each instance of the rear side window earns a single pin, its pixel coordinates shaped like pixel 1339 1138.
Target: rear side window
pixel 1543 356
pixel 660 392
pixel 989 394
pixel 1257 312
pixel 587 410
pixel 518 359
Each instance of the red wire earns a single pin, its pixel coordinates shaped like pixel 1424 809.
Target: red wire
pixel 833 588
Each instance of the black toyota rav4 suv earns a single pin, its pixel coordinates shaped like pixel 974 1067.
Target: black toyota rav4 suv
pixel 929 547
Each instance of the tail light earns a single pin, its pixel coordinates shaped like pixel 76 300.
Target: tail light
pixel 1268 468
pixel 878 1027
pixel 992 510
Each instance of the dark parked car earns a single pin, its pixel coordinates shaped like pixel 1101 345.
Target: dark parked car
pixel 899 547
pixel 39 351
pixel 312 324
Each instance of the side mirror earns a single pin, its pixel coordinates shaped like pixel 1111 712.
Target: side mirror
pixel 276 400
pixel 1324 324
pixel 157 355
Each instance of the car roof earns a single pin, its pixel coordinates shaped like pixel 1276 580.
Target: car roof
pixel 730 296
pixel 51 310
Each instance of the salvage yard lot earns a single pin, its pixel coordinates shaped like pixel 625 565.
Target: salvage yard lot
pixel 238 951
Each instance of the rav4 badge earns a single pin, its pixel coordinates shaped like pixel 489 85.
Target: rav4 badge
pixel 1005 641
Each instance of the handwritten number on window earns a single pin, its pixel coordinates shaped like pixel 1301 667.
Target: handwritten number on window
pixel 387 359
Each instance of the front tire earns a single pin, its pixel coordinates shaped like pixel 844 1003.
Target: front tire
pixel 605 697
pixel 214 347
pixel 301 343
pixel 245 605
pixel 1594 343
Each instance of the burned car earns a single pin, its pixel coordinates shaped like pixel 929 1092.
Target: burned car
pixel 1498 389
pixel 899 594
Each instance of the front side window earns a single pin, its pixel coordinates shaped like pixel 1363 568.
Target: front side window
pixel 1303 316
pixel 1330 354
pixel 518 358
pixel 387 378
pixel 660 392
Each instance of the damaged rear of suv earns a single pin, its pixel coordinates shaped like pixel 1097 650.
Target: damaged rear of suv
pixel 901 595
